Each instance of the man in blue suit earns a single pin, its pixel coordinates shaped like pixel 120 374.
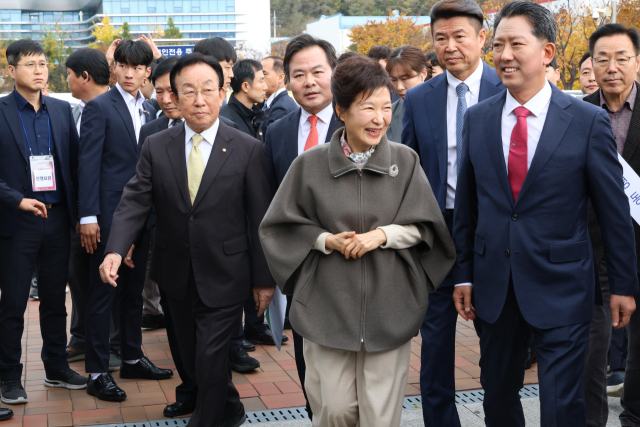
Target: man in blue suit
pixel 533 159
pixel 308 65
pixel 432 124
pixel 109 151
pixel 39 140
pixel 278 103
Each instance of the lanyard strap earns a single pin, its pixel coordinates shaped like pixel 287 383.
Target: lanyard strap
pixel 25 131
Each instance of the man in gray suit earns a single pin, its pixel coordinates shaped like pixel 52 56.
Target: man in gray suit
pixel 88 76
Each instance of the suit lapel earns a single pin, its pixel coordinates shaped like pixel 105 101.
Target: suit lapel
pixel 10 111
pixel 334 125
pixel 222 150
pixel 490 84
pixel 633 134
pixel 55 121
pixel 291 139
pixel 436 103
pixel 178 160
pixel 493 130
pixel 123 110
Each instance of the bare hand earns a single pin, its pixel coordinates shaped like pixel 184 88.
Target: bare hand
pixel 90 236
pixel 156 52
pixel 128 261
pixel 109 269
pixel 334 241
pixel 111 51
pixel 462 301
pixel 358 245
pixel 622 307
pixel 32 205
pixel 78 227
pixel 262 295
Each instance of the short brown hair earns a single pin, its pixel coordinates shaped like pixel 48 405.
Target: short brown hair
pixel 379 52
pixel 357 75
pixel 446 9
pixel 410 58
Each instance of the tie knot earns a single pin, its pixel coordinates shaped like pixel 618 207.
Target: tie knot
pixel 313 120
pixel 461 90
pixel 521 112
pixel 197 139
pixel 176 123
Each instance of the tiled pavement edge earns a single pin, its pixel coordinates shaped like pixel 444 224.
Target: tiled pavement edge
pixel 274 385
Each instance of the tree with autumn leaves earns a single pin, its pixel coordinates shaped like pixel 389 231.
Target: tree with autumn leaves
pixel 394 32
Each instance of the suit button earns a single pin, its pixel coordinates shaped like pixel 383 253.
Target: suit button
pixel 515 217
pixel 506 252
pixel 191 218
pixel 186 246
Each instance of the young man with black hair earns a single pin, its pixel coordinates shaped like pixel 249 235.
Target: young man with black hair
pixel 223 52
pixel 249 89
pixel 38 184
pixel 88 77
pixel 109 151
pixel 278 103
pixel 588 83
pixel 553 72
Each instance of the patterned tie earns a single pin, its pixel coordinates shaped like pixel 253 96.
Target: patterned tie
pixel 175 123
pixel 195 167
pixel 312 139
pixel 461 91
pixel 518 152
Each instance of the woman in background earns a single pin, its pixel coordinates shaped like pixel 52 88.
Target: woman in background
pixel 433 66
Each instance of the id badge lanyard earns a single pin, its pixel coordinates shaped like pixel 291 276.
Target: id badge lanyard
pixel 43 175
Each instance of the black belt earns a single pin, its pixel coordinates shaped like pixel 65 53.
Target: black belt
pixel 448 214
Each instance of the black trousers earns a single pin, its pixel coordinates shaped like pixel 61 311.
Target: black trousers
pixel 204 339
pixel 100 302
pixel 48 239
pixel 188 390
pixel 253 324
pixel 301 365
pixel 78 276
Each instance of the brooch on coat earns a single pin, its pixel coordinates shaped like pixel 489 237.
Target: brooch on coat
pixel 393 171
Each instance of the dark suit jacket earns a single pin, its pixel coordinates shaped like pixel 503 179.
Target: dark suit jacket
pixel 218 235
pixel 14 160
pixel 108 154
pixel 282 105
pixel 281 144
pixel 541 241
pixel 247 120
pixel 632 156
pixel 424 125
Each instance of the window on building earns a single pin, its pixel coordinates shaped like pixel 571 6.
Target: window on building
pixel 177 9
pixel 34 17
pixel 195 9
pixel 151 9
pixel 124 10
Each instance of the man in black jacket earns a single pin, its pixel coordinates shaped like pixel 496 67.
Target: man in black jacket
pixel 277 103
pixel 248 88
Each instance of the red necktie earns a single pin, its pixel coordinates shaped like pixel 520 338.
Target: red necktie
pixel 518 152
pixel 312 139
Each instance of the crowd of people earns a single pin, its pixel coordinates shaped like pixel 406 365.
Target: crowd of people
pixel 388 195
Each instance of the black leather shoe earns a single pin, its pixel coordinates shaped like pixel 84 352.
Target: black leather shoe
pixel 248 346
pixel 105 388
pixel 179 409
pixel 150 322
pixel 144 369
pixel 235 421
pixel 5 414
pixel 264 338
pixel 240 361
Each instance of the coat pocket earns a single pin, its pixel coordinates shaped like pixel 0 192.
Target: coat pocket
pixel 236 245
pixel 569 252
pixel 478 245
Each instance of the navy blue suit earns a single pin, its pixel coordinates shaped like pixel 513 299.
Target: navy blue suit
pixel 531 262
pixel 425 130
pixel 23 236
pixel 281 149
pixel 109 154
pixel 281 106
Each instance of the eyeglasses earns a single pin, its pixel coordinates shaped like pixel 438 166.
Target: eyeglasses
pixel 32 65
pixel 604 61
pixel 207 93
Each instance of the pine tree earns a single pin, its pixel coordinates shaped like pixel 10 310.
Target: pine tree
pixel 125 31
pixel 172 32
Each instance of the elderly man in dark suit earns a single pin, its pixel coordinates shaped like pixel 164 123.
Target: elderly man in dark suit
pixel 209 186
pixel 277 102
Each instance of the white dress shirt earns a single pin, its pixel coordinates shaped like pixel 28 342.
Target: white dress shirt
pixel 81 105
pixel 539 106
pixel 205 146
pixel 473 83
pixel 273 96
pixel 304 128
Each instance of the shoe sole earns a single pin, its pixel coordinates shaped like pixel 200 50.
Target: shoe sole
pixel 134 377
pixel 615 390
pixel 249 350
pixel 6 417
pixel 116 399
pixel 62 384
pixel 75 358
pixel 18 401
pixel 242 369
pixel 240 421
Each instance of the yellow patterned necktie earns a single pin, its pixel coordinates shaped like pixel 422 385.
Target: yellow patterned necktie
pixel 195 167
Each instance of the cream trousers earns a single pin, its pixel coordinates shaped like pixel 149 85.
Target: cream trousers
pixel 355 388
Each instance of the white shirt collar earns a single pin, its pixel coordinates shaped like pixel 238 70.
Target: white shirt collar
pixel 209 135
pixel 324 115
pixel 81 105
pixel 274 94
pixel 536 104
pixel 472 82
pixel 127 96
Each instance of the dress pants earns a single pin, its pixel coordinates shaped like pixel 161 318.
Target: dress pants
pixel 630 400
pixel 49 239
pixel 595 366
pixel 301 366
pixel 253 324
pixel 102 297
pixel 618 349
pixel 78 276
pixel 561 354
pixel 356 388
pixel 188 390
pixel 150 294
pixel 204 338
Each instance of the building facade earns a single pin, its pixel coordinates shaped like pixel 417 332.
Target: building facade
pixel 242 22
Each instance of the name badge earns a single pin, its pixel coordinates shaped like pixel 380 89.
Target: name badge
pixel 43 173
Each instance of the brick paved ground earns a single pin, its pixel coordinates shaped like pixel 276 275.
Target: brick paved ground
pixel 274 385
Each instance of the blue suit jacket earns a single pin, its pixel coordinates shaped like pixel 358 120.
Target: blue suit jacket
pixel 424 125
pixel 109 154
pixel 282 105
pixel 281 144
pixel 542 240
pixel 14 160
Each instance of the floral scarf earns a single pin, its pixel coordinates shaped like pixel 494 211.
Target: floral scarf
pixel 357 158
